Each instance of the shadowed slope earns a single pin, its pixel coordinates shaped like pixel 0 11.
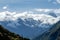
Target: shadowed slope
pixel 7 35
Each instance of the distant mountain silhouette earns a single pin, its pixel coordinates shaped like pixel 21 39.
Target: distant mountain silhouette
pixel 7 35
pixel 53 14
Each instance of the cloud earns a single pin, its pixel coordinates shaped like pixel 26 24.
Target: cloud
pixel 54 1
pixel 57 10
pixel 44 18
pixel 5 7
pixel 48 10
pixel 14 16
pixel 58 1
pixel 44 10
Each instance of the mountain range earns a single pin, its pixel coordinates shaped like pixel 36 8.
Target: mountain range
pixel 28 25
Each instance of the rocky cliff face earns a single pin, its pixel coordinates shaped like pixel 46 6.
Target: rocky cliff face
pixel 7 35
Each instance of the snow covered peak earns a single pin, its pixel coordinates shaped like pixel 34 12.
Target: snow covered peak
pixel 41 17
pixel 44 18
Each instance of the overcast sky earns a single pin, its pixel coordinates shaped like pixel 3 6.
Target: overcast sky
pixel 29 4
